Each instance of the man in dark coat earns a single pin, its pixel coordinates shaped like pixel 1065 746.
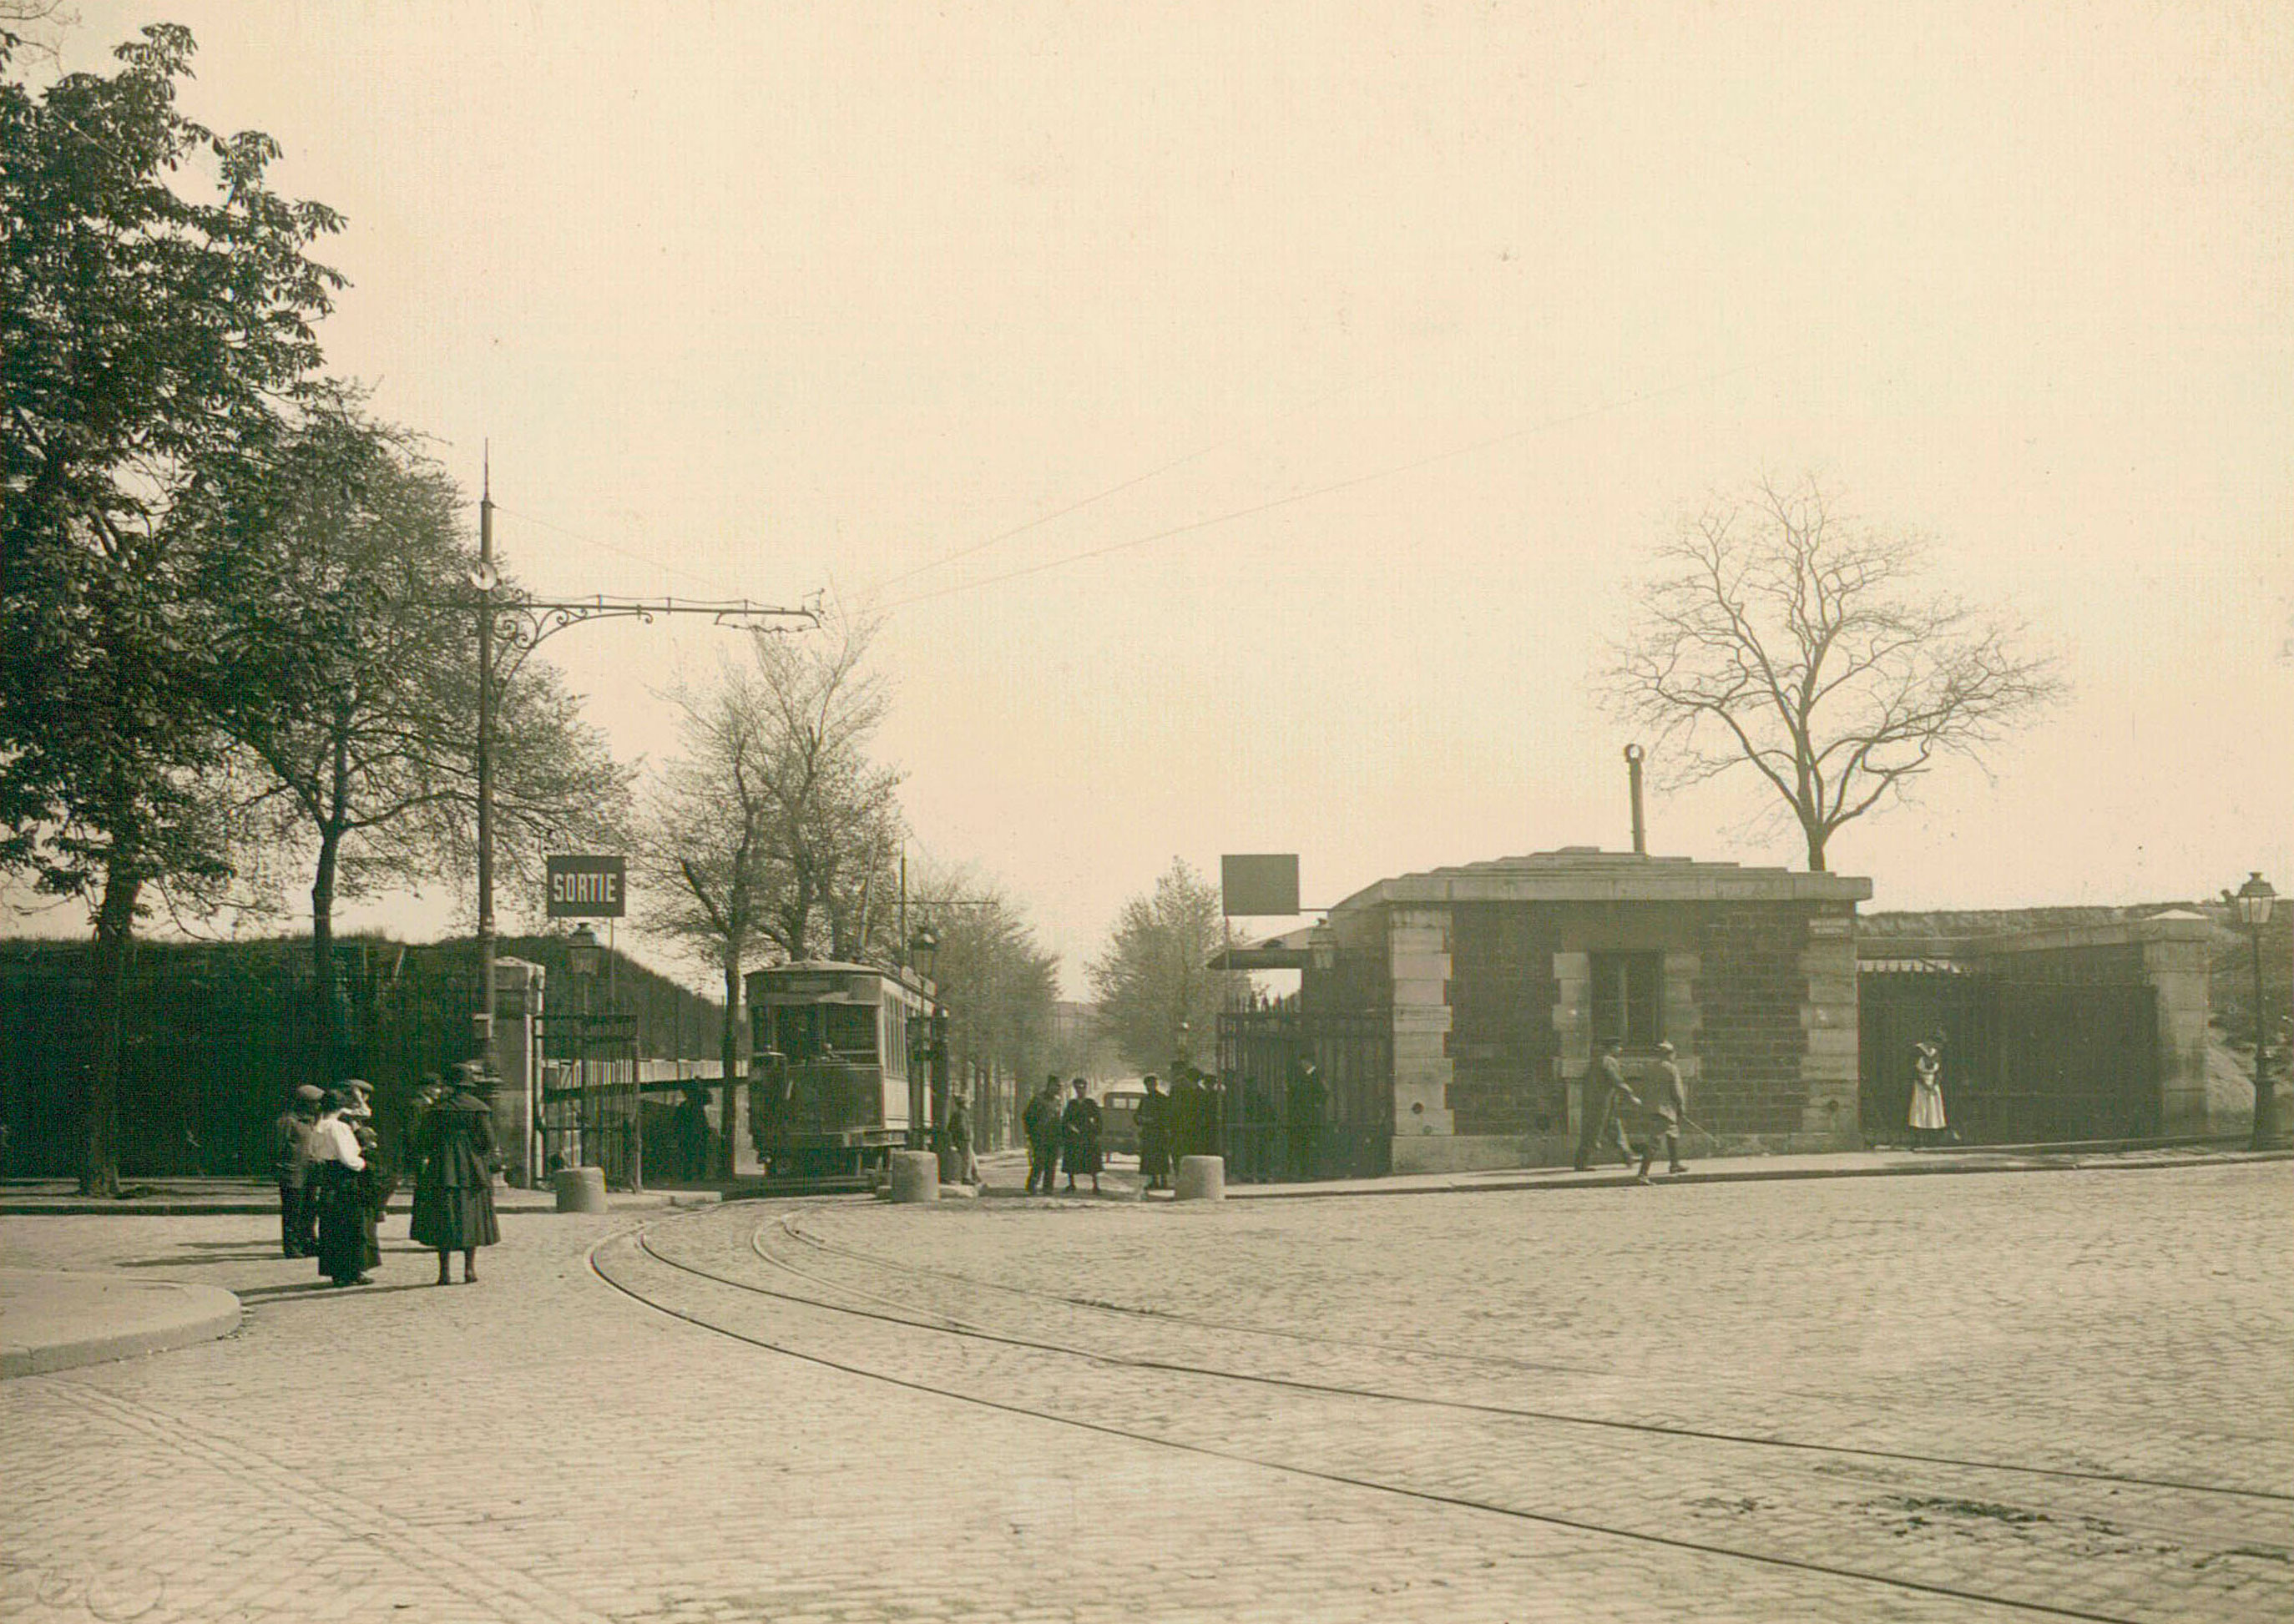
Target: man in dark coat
pixel 1041 1118
pixel 1079 1137
pixel 453 1191
pixel 1155 1134
pixel 1303 1105
pixel 290 1162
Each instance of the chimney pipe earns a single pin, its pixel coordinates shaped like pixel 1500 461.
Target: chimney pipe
pixel 1633 773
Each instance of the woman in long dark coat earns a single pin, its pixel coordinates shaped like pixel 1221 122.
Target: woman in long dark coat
pixel 1155 1135
pixel 1079 1137
pixel 453 1189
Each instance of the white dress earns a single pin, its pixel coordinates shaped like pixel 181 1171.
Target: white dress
pixel 1927 1095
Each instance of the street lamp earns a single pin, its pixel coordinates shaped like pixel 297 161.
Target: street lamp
pixel 2254 900
pixel 926 1101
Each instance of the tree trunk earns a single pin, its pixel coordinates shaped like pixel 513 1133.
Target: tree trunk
pixel 728 1058
pixel 115 942
pixel 327 1011
pixel 1815 838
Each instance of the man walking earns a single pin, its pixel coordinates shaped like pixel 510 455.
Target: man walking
pixel 1615 1098
pixel 1670 1100
pixel 290 1161
pixel 1304 1101
pixel 1041 1120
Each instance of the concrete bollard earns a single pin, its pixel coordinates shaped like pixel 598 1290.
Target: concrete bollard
pixel 580 1189
pixel 1202 1178
pixel 915 1175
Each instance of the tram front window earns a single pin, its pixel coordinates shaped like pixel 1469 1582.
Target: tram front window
pixel 851 1029
pixel 808 1034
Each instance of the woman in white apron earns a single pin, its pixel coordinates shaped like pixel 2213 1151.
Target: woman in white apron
pixel 1926 1118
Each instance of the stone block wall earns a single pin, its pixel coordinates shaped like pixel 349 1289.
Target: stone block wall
pixel 1502 1045
pixel 1750 985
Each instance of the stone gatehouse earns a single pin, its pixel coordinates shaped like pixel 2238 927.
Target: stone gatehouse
pixel 1499 978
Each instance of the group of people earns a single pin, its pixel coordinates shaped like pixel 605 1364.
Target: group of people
pixel 1190 1120
pixel 335 1179
pixel 1061 1138
pixel 1667 1107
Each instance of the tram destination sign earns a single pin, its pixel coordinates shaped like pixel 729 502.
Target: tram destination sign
pixel 587 887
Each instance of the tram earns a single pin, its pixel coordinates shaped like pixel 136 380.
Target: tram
pixel 838 1077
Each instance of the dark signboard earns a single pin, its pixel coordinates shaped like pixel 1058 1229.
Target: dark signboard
pixel 1261 885
pixel 587 887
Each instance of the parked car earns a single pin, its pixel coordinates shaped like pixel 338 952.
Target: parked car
pixel 1118 1117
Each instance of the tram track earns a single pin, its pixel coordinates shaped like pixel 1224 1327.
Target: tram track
pixel 1564 1417
pixel 842 1303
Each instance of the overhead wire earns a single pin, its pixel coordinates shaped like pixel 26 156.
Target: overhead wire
pixel 1297 497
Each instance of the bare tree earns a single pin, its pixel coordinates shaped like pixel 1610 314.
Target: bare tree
pixel 773 833
pixel 998 983
pixel 1778 634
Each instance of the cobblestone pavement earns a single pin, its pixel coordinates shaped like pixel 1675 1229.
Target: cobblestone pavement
pixel 2065 1390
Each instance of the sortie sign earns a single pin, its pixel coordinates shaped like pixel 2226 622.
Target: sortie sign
pixel 587 887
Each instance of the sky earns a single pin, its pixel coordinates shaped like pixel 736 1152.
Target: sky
pixel 1252 420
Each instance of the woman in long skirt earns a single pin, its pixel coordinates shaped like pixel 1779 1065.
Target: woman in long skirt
pixel 453 1189
pixel 1926 1116
pixel 337 1169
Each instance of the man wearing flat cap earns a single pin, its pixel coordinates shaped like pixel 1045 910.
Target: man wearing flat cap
pixel 290 1162
pixel 1669 1100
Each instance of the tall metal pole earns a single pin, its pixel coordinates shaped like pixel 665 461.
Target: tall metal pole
pixel 2265 1095
pixel 487 580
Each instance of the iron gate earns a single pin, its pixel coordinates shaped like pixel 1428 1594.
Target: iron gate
pixel 1261 1052
pixel 590 1109
pixel 2024 1061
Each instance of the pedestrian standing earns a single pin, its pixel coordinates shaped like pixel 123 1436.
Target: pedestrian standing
pixel 376 1178
pixel 1079 1137
pixel 1926 1114
pixel 290 1162
pixel 1616 1097
pixel 1669 1100
pixel 1304 1104
pixel 1040 1117
pixel 453 1194
pixel 336 1164
pixel 1155 1134
pixel 958 1134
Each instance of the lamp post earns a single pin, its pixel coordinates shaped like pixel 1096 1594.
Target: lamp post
pixel 925 1105
pixel 581 956
pixel 2254 900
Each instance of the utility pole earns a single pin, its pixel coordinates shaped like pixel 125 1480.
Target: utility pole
pixel 486 579
pixel 519 624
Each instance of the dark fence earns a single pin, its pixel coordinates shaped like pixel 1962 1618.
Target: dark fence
pixel 2025 1060
pixel 218 1036
pixel 1260 1051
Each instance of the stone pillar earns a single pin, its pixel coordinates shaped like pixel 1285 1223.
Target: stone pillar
pixel 2175 950
pixel 915 1176
pixel 1830 1110
pixel 1573 1034
pixel 1202 1178
pixel 518 994
pixel 1418 961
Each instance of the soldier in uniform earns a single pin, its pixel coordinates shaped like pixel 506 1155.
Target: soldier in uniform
pixel 1041 1119
pixel 1669 1100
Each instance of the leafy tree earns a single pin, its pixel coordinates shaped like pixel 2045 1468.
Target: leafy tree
pixel 1779 635
pixel 772 831
pixel 156 310
pixel 1158 998
pixel 335 585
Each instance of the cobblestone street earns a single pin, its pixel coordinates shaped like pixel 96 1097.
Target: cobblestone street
pixel 2050 1394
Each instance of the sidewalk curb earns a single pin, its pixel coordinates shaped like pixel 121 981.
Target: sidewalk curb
pixel 1566 1179
pixel 171 1315
pixel 73 1208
